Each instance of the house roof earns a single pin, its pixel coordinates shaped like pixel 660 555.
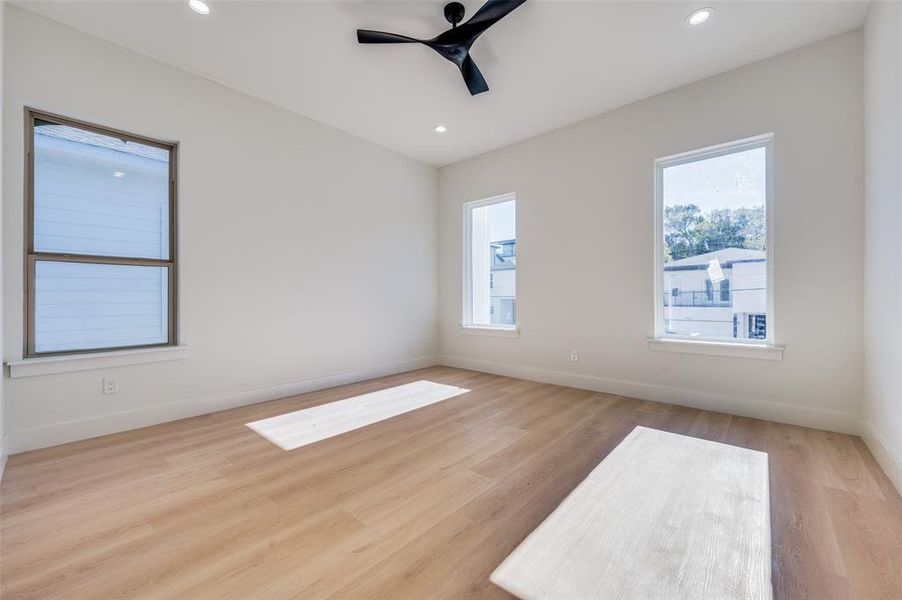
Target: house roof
pixel 83 136
pixel 725 256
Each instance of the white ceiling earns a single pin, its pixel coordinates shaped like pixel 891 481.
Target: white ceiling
pixel 549 63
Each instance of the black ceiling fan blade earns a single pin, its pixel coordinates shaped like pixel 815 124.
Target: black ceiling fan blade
pixel 473 77
pixel 493 11
pixel 368 36
pixel 490 13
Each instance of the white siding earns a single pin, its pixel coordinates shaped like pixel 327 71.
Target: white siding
pixel 750 288
pixel 102 201
pixel 79 306
pixel 81 207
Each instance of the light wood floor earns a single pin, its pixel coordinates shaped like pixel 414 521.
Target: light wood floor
pixel 424 505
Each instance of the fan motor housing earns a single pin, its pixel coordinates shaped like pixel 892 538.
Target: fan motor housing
pixel 454 12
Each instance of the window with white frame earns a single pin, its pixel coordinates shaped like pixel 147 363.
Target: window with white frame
pixel 100 238
pixel 490 263
pixel 712 235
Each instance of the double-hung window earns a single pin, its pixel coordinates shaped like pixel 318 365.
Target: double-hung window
pixel 100 238
pixel 713 263
pixel 490 263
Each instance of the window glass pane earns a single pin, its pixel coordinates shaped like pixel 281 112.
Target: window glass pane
pixel 494 268
pixel 81 306
pixel 99 195
pixel 715 233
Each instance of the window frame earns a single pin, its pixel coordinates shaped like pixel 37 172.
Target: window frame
pixel 467 324
pixel 31 256
pixel 765 141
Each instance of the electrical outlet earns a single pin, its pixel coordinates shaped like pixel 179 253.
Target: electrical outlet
pixel 574 356
pixel 110 386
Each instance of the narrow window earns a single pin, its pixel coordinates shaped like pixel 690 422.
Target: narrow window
pixel 490 263
pixel 712 209
pixel 100 233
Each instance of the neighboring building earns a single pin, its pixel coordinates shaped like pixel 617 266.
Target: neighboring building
pixel 717 294
pixel 503 278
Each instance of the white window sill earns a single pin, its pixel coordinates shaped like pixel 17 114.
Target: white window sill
pixel 487 330
pixel 49 365
pixel 739 350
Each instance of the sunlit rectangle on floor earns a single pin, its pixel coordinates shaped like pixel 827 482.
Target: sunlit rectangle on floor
pixel 302 427
pixel 662 516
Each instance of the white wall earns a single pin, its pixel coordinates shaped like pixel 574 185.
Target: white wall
pixel 883 236
pixel 3 440
pixel 585 242
pixel 304 253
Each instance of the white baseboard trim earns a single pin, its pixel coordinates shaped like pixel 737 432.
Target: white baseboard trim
pixel 746 407
pixel 889 462
pixel 71 431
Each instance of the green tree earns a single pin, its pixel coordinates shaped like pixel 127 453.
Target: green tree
pixel 682 232
pixel 753 226
pixel 688 232
pixel 720 230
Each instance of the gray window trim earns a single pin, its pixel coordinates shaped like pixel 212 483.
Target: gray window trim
pixel 31 256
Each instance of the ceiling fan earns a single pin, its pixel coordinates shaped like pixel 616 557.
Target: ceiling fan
pixel 454 44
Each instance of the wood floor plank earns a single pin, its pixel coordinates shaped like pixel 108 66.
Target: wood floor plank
pixel 710 426
pixel 807 561
pixel 424 505
pixel 747 433
pixel 871 551
pixel 883 481
pixel 842 465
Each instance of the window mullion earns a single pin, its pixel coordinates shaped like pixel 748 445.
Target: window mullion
pixel 105 260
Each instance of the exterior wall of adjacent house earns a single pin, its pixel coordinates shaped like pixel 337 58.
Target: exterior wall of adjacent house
pixel 504 283
pixel 697 306
pixel 121 199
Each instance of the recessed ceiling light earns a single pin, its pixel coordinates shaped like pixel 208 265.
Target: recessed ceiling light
pixel 199 7
pixel 440 129
pixel 118 174
pixel 700 16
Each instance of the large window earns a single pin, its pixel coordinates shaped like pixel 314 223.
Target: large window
pixel 490 263
pixel 100 231
pixel 712 268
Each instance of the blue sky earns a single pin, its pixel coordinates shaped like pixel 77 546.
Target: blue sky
pixel 503 221
pixel 730 181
